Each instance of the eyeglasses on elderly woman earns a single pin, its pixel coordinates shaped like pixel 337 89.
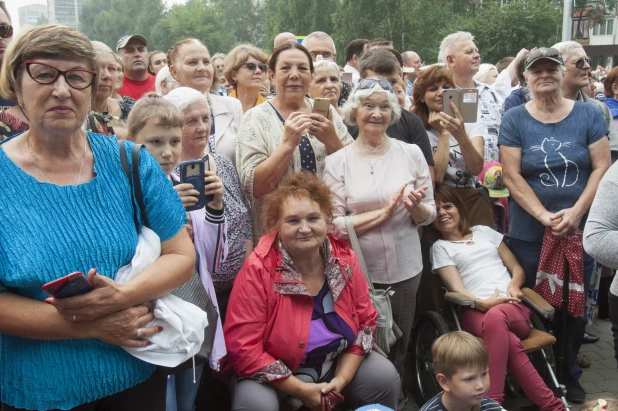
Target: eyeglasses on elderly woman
pixel 42 73
pixel 368 83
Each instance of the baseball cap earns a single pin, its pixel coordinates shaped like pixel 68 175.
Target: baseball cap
pixel 548 53
pixel 125 39
pixel 491 176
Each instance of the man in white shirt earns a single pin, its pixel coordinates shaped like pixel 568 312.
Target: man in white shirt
pixel 353 53
pixel 461 56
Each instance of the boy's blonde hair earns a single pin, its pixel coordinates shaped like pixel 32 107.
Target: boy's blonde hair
pixel 458 350
pixel 153 107
pixel 612 405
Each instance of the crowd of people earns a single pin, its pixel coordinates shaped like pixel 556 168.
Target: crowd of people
pixel 93 148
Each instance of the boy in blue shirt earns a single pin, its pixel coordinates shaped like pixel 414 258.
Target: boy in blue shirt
pixel 461 364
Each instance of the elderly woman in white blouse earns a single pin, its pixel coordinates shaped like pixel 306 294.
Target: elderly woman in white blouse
pixel 385 185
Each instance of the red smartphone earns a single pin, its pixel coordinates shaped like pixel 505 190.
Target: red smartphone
pixel 68 286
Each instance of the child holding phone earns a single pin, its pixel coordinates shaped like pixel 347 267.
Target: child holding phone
pixel 157 124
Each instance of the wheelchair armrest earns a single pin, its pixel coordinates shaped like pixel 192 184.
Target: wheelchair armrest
pixel 538 304
pixel 459 299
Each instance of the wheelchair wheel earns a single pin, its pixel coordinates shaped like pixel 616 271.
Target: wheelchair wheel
pixel 429 327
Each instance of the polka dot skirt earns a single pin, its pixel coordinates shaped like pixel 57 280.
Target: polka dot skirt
pixel 556 252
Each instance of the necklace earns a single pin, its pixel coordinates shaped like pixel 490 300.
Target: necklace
pixel 38 166
pixel 378 151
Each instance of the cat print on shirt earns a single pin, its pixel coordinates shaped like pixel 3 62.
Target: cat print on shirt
pixel 558 176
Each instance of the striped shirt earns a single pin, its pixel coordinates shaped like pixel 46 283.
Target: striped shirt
pixel 435 404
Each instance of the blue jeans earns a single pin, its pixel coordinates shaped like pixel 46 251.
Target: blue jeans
pixel 528 255
pixel 181 390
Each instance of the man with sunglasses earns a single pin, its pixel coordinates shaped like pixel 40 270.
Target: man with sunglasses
pixel 381 64
pixel 137 80
pixel 6 34
pixel 577 66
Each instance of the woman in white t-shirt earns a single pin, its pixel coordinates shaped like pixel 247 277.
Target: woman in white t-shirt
pixel 457 146
pixel 475 262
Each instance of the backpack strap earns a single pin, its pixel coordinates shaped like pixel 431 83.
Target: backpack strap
pixel 139 196
pixel 125 166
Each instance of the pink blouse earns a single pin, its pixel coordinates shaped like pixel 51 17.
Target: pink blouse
pixel 392 250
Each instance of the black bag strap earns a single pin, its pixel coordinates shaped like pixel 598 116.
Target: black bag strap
pixel 134 182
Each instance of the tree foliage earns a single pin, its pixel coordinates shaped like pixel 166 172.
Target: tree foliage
pixel 501 27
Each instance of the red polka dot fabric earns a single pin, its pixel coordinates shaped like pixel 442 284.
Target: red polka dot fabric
pixel 555 253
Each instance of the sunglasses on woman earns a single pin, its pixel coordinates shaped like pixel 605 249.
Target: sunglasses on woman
pixel 42 73
pixel 368 83
pixel 6 31
pixel 252 66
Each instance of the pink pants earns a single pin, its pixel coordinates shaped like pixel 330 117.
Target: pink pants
pixel 502 328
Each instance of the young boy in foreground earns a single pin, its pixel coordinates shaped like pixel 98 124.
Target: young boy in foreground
pixel 461 364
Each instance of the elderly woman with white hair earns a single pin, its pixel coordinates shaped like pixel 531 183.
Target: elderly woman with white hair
pixel 165 82
pixel 488 73
pixel 385 186
pixel 326 82
pixel 554 152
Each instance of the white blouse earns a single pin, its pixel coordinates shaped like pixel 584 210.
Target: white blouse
pixel 392 250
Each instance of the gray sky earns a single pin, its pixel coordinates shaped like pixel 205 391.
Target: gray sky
pixel 13 5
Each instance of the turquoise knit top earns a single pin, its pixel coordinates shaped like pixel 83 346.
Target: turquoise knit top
pixel 48 231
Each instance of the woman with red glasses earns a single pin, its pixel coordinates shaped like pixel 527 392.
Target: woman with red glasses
pixel 68 207
pixel 245 69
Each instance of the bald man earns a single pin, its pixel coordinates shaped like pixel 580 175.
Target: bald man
pixel 282 38
pixel 412 60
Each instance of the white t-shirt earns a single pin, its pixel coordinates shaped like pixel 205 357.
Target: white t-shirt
pixel 457 174
pixel 479 264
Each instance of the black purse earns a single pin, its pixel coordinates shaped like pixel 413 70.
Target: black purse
pixel 192 291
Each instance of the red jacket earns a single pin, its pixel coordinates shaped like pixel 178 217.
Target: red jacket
pixel 269 313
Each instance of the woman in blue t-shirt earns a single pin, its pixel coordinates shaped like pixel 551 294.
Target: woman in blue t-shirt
pixel 66 207
pixel 554 152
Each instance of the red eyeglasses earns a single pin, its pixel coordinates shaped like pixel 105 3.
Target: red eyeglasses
pixel 43 73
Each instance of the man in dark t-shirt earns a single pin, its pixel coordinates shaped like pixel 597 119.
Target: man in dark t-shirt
pixel 382 64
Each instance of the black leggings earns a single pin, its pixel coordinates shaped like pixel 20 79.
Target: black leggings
pixel 145 396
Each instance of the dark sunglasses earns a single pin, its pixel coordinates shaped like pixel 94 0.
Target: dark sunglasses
pixel 6 31
pixel 580 63
pixel 252 66
pixel 370 82
pixel 42 73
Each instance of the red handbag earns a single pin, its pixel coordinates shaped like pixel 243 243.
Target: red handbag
pixel 556 252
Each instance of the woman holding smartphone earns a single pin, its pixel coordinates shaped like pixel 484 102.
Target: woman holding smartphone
pixel 67 206
pixel 457 146
pixel 284 135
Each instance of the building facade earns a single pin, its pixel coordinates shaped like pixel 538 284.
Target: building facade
pixel 31 14
pixel 65 11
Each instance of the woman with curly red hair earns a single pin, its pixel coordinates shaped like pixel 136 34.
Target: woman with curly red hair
pixel 300 323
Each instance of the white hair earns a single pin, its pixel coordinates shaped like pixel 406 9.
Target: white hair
pixel 101 47
pixel 348 111
pixel 325 64
pixel 449 43
pixel 318 35
pixel 164 75
pixel 183 97
pixel 566 47
pixel 483 72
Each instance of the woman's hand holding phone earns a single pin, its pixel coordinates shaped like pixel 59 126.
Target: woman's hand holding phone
pixel 107 297
pixel 214 187
pixel 296 125
pixel 187 193
pixel 454 125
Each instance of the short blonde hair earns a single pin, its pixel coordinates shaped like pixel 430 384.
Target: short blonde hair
pixel 49 40
pixel 458 350
pixel 163 112
pixel 449 43
pixel 239 56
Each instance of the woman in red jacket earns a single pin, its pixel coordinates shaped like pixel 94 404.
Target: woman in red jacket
pixel 300 322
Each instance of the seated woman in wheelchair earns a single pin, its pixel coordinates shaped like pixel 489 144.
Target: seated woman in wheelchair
pixel 475 262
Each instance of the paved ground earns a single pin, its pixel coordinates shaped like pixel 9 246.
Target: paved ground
pixel 599 381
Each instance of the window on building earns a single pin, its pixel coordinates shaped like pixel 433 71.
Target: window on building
pixel 605 28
